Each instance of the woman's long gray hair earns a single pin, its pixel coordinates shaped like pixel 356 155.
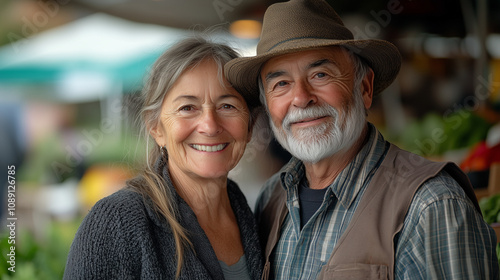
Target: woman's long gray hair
pixel 167 69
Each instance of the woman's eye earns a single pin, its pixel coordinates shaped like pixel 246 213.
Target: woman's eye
pixel 186 108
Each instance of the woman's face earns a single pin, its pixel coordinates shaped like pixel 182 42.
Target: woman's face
pixel 203 124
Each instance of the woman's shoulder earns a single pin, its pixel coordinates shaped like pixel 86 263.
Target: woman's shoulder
pixel 126 195
pixel 110 229
pixel 115 219
pixel 120 209
pixel 125 199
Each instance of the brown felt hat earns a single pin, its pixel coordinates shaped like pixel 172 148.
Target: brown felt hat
pixel 299 25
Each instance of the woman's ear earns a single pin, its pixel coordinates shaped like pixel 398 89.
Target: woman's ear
pixel 158 134
pixel 367 88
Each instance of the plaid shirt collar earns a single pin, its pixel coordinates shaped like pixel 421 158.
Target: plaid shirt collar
pixel 350 180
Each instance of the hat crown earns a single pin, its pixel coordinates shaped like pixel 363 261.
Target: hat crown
pixel 300 19
pixel 298 25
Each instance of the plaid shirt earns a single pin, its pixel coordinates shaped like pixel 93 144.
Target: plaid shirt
pixel 443 236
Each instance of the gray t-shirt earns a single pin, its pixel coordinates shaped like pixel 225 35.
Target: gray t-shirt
pixel 237 271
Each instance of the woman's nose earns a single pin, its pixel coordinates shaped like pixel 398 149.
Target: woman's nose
pixel 209 123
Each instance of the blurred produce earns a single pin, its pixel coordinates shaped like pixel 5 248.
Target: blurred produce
pixel 42 259
pixel 490 207
pixel 481 157
pixel 435 134
pixel 100 181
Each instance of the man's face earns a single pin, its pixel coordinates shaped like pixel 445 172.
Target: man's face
pixel 316 109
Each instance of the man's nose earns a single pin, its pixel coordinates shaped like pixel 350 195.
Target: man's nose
pixel 303 95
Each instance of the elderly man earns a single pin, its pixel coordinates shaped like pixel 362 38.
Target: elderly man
pixel 350 205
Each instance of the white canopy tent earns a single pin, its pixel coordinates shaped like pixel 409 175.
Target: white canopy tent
pixel 84 60
pixel 87 59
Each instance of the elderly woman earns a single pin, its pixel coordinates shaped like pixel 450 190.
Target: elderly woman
pixel 181 217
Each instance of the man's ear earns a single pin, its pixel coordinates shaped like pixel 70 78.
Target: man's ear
pixel 367 88
pixel 249 137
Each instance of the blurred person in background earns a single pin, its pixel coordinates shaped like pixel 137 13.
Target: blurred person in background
pixel 181 217
pixel 13 145
pixel 350 205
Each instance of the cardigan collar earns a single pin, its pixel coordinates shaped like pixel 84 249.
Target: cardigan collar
pixel 204 251
pixel 187 218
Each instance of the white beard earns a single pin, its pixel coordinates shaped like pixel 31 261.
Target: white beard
pixel 315 143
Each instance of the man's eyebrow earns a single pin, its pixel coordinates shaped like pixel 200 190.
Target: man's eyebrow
pixel 272 75
pixel 319 63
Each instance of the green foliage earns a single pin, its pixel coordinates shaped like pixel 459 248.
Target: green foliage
pixel 38 259
pixel 435 134
pixel 498 253
pixel 490 207
pixel 51 161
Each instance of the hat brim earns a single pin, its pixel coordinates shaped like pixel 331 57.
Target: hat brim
pixel 382 56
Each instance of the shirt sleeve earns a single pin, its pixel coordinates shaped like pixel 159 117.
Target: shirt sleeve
pixel 444 236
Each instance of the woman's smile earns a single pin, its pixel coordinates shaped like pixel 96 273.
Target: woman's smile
pixel 209 148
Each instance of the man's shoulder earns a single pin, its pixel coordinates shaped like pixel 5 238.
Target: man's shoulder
pixel 445 181
pixel 438 189
pixel 271 182
pixel 266 192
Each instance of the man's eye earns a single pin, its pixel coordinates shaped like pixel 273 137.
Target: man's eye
pixel 227 106
pixel 321 75
pixel 281 84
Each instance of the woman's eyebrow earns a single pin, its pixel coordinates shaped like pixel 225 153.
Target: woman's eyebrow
pixel 188 97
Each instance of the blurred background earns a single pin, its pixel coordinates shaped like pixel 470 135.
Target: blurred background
pixel 71 71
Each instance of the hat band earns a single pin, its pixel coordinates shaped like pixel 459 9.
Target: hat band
pixel 291 39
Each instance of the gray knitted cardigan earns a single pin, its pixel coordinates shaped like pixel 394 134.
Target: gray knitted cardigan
pixel 122 237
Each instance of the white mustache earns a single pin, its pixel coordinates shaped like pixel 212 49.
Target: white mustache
pixel 298 115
